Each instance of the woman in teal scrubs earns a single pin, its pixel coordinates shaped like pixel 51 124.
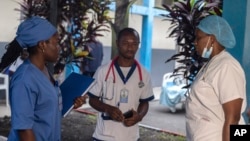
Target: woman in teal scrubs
pixel 35 99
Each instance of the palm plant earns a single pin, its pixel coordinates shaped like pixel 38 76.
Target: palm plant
pixel 34 8
pixel 184 17
pixel 78 21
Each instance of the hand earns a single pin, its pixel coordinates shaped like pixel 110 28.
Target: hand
pixel 115 113
pixel 79 101
pixel 132 120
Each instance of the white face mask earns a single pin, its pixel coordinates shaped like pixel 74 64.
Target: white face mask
pixel 207 53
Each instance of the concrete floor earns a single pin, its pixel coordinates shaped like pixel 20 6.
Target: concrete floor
pixel 158 117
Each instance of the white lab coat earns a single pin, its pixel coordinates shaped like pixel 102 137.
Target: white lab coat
pixel 221 80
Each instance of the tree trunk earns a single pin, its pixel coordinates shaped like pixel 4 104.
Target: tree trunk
pixel 121 21
pixel 53 14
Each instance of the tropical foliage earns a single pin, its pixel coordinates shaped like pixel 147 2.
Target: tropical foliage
pixel 184 16
pixel 78 21
pixel 34 8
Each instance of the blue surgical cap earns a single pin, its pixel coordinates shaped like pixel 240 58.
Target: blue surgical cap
pixel 33 30
pixel 218 27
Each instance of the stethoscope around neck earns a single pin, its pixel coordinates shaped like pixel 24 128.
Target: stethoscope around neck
pixel 111 68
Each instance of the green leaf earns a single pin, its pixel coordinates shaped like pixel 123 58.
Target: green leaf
pixel 184 16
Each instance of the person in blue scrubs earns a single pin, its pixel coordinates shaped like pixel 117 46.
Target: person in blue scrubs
pixel 35 98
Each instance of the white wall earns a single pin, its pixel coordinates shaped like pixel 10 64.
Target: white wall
pixel 160 29
pixel 9 19
pixel 160 32
pixel 162 46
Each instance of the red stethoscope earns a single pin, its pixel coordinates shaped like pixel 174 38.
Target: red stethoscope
pixel 111 67
pixel 108 84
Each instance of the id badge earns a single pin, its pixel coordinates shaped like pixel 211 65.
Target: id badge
pixel 124 95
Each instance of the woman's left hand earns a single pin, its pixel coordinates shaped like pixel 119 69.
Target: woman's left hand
pixel 79 101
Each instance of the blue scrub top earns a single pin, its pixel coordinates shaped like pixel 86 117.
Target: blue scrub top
pixel 35 104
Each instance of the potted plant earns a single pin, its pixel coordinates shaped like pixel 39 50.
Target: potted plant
pixel 184 16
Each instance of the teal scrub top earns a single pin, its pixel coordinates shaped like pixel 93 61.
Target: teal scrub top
pixel 35 104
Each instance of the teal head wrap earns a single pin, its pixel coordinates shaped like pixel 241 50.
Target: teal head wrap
pixel 218 27
pixel 33 30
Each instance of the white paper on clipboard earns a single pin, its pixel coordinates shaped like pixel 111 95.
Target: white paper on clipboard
pixel 74 86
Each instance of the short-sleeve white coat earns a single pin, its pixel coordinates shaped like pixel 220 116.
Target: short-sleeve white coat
pixel 111 93
pixel 221 80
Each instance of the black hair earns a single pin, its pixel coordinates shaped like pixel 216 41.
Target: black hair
pixel 32 50
pixel 58 67
pixel 13 50
pixel 130 30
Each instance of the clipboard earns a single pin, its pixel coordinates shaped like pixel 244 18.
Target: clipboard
pixel 74 86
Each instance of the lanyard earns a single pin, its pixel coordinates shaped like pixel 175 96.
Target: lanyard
pixel 114 63
pixel 111 67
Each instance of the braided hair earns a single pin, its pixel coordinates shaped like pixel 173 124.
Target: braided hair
pixel 13 50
